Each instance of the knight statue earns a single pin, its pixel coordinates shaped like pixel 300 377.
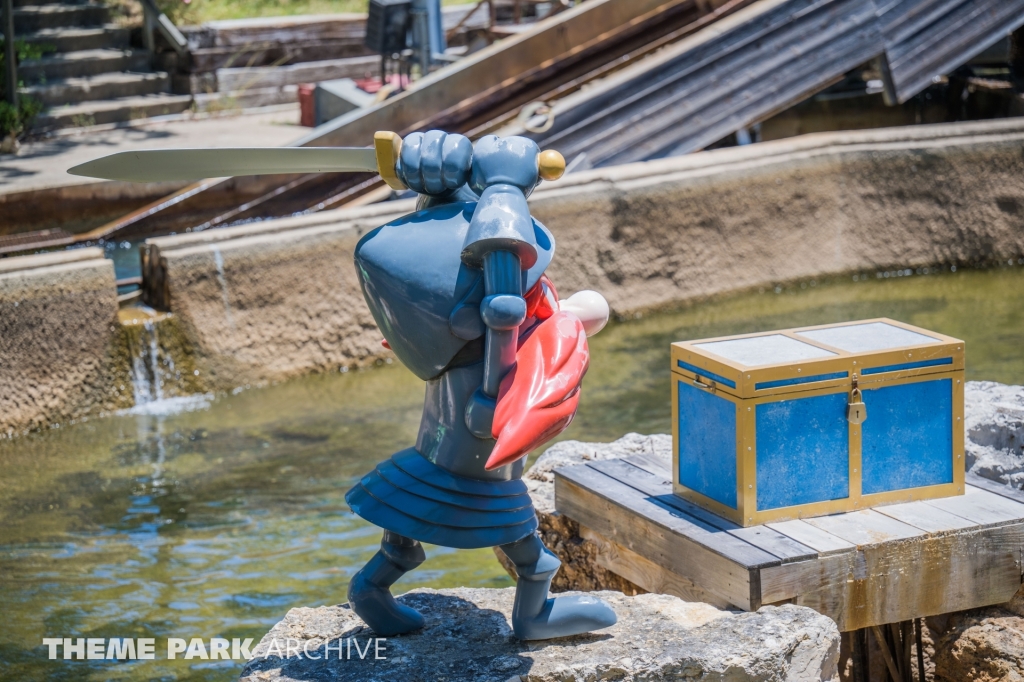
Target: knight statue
pixel 459 292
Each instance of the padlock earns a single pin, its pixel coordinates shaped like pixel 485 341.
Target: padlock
pixel 856 410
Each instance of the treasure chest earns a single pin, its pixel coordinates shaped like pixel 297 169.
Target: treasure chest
pixel 817 420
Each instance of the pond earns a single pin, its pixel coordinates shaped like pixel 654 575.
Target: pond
pixel 214 522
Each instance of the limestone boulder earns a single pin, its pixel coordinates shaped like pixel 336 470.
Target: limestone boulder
pixel 467 636
pixel 994 425
pixel 986 645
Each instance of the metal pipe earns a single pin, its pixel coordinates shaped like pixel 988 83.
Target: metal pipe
pixel 10 59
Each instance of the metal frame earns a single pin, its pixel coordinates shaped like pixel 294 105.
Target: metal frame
pixel 745 397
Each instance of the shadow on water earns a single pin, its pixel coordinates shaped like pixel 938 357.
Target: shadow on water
pixel 214 522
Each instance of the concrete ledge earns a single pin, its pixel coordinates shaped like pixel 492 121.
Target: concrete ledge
pixel 42 260
pixel 60 352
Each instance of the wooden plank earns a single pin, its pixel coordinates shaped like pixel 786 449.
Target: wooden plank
pixel 646 573
pixel 906 578
pixel 925 516
pixel 981 507
pixel 706 556
pixel 654 510
pixel 865 527
pixel 773 542
pixel 654 464
pixel 823 542
pixel 244 78
pixel 822 581
pixel 1001 489
pixel 659 488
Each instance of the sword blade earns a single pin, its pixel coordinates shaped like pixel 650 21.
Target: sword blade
pixel 154 165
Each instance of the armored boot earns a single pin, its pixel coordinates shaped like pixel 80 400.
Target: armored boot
pixel 534 616
pixel 369 594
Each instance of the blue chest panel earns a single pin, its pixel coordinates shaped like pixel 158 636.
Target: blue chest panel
pixel 412 277
pixel 707 444
pixel 907 441
pixel 803 451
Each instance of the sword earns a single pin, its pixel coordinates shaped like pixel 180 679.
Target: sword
pixel 155 165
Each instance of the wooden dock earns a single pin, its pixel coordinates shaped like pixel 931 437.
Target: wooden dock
pixel 863 568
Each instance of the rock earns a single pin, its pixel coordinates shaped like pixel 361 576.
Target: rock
pixel 540 478
pixel 580 570
pixel 9 145
pixel 986 645
pixel 467 637
pixel 994 423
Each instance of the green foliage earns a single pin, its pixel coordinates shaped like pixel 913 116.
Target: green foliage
pixel 17 120
pixel 23 51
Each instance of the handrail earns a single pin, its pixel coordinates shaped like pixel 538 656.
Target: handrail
pixel 154 18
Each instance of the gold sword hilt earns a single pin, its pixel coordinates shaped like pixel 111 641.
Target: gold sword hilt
pixel 388 147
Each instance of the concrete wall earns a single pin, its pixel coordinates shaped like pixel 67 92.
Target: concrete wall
pixel 280 298
pixel 61 357
pixel 68 204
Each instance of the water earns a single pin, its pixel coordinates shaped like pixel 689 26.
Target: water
pixel 124 253
pixel 211 516
pixel 147 375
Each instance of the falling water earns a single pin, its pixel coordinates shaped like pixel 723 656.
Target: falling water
pixel 159 386
pixel 147 377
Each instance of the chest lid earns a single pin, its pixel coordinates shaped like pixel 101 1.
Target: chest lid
pixel 810 358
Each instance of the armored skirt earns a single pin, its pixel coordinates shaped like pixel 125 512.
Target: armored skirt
pixel 410 495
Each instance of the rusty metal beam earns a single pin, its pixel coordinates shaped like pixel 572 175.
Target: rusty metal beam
pixel 760 61
pixel 929 38
pixel 733 73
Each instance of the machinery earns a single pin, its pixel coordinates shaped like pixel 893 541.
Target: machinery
pixel 408 32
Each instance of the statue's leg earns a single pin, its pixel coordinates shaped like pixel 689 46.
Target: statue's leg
pixel 534 616
pixel 369 594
